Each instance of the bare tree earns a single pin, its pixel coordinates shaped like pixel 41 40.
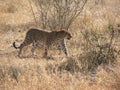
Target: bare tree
pixel 59 14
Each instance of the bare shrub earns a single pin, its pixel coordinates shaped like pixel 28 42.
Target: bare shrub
pixel 59 14
pixel 98 49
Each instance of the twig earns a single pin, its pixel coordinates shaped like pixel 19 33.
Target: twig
pixel 33 12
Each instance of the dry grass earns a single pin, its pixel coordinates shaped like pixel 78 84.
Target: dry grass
pixel 60 73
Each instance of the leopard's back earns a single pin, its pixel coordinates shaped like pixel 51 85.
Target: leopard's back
pixel 37 35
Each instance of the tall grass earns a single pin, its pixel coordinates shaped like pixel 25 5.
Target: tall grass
pixel 93 63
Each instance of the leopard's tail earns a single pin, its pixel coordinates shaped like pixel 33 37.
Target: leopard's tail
pixel 15 46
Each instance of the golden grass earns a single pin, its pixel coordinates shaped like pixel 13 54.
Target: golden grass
pixel 42 74
pixel 31 74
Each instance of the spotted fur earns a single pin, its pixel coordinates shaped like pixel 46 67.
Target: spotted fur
pixel 36 36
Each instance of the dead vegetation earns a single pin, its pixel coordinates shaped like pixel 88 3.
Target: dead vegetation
pixel 94 50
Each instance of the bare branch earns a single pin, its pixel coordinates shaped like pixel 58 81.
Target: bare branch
pixel 60 14
pixel 32 12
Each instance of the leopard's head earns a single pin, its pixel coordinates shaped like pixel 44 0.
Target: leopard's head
pixel 66 34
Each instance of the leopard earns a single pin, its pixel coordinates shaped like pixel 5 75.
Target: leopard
pixel 36 37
